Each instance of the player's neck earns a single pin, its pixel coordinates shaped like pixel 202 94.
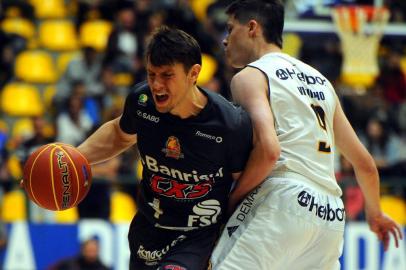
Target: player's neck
pixel 191 105
pixel 266 48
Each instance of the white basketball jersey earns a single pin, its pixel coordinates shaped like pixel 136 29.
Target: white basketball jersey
pixel 303 103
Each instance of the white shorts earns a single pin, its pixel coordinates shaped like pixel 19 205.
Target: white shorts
pixel 286 223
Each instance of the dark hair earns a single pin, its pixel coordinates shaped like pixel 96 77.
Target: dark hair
pixel 269 13
pixel 169 46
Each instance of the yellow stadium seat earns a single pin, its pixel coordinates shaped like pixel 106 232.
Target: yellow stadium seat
pixel 35 67
pixel 19 26
pixel 403 64
pixel 21 99
pixel 3 126
pixel 14 167
pixel 48 95
pixel 49 9
pixel 67 216
pixel 14 206
pixel 58 35
pixel 64 59
pixel 395 207
pixel 123 79
pixel 209 68
pixel 95 34
pixel 22 127
pixel 123 207
pixel 199 8
pixel 292 43
pixel 138 169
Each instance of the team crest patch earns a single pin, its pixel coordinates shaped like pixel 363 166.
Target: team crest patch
pixel 142 100
pixel 172 148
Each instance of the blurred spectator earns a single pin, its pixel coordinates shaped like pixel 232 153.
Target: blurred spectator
pixel 17 8
pixel 382 144
pixel 353 198
pixel 111 90
pixel 126 172
pixel 392 79
pixel 96 204
pixel 10 46
pixel 216 20
pixel 361 108
pixel 122 47
pixel 93 10
pixel 399 168
pixel 42 135
pixel 4 179
pixel 325 56
pixel 87 259
pixel 3 233
pixel 74 124
pixel 397 10
pixel 85 68
pixel 180 15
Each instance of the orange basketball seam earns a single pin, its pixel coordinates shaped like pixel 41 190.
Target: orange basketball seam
pixel 77 151
pixel 32 167
pixel 52 178
pixel 76 173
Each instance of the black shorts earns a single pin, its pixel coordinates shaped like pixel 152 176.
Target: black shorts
pixel 155 248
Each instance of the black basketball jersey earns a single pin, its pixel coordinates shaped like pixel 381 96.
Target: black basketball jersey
pixel 187 163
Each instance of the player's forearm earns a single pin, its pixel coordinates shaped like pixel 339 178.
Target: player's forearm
pixel 260 164
pixel 105 143
pixel 368 180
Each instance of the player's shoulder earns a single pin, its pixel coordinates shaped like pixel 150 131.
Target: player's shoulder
pixel 230 114
pixel 140 95
pixel 139 88
pixel 221 103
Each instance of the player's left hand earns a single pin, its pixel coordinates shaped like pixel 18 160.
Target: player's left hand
pixel 383 226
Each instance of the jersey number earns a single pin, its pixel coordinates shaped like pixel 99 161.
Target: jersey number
pixel 321 118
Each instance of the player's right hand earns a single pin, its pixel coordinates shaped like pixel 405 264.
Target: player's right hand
pixel 383 226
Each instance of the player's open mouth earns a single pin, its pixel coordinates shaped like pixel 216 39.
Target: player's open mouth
pixel 161 97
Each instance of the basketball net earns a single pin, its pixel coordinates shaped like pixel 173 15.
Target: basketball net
pixel 360 29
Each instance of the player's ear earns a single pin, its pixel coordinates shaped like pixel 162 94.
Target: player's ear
pixel 194 72
pixel 252 28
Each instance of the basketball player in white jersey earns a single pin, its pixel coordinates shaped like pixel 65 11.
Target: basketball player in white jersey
pixel 295 218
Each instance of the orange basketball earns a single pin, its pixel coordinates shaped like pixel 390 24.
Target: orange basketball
pixel 57 176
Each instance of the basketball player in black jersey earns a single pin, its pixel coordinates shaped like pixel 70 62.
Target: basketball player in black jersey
pixel 192 143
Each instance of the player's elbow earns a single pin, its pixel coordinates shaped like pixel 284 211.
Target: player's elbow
pixel 367 166
pixel 271 153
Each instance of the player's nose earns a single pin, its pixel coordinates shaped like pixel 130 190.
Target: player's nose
pixel 157 85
